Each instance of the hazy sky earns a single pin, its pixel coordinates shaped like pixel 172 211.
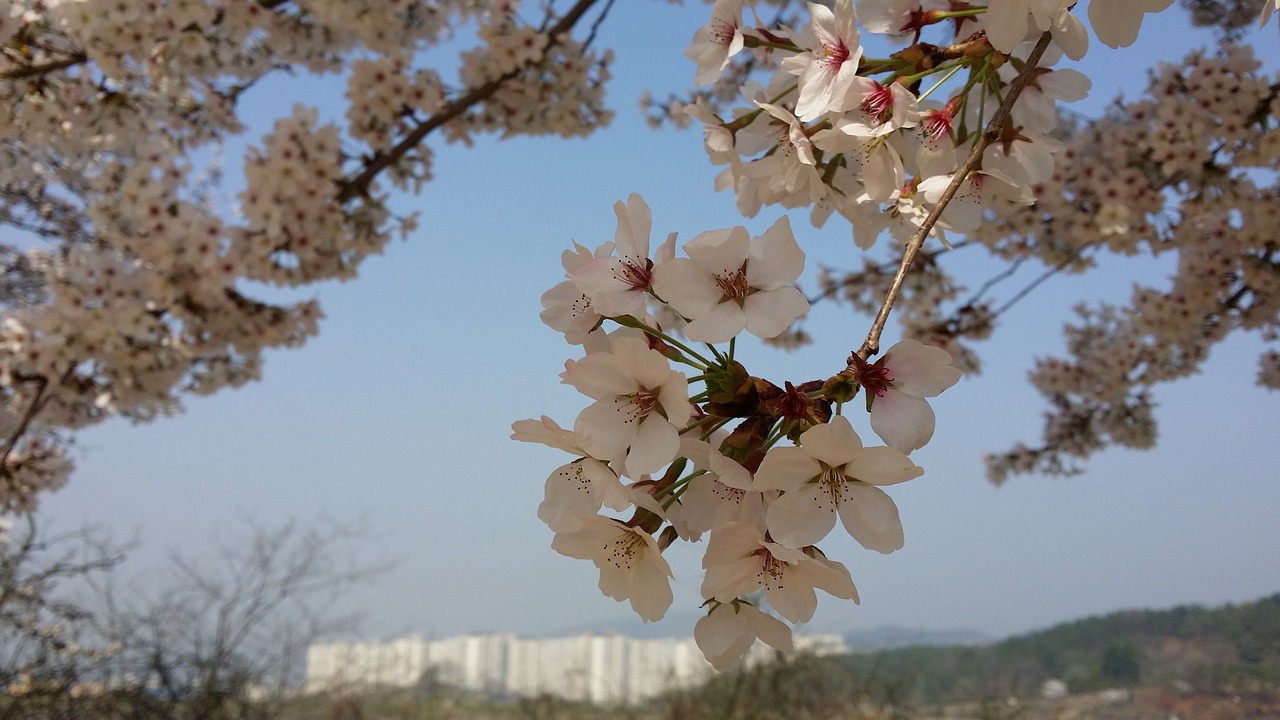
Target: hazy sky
pixel 398 414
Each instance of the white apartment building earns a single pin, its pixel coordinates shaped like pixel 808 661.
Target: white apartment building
pixel 602 669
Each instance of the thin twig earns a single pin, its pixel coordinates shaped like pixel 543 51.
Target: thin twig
pixel 871 345
pixel 359 185
pixel 1037 281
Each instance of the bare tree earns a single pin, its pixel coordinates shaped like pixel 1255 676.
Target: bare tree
pixel 47 638
pixel 214 636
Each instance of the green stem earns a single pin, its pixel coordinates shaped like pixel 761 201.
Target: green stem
pixel 633 322
pixel 953 70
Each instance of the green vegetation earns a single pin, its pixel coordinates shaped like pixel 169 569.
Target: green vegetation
pixel 1231 649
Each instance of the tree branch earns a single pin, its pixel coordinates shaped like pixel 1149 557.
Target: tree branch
pixel 871 345
pixel 26 71
pixel 359 185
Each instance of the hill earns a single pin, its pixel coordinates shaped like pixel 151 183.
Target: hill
pixel 1229 649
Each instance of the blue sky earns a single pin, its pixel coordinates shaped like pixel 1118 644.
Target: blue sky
pixel 398 414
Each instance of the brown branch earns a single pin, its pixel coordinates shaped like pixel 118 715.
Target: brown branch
pixel 27 417
pixel 359 185
pixel 871 345
pixel 37 404
pixel 26 71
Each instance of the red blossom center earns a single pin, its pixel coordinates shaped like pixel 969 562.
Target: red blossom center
pixel 878 103
pixel 722 32
pixel 635 275
pixel 875 378
pixel 833 56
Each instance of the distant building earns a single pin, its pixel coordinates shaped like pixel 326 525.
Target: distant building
pixel 602 669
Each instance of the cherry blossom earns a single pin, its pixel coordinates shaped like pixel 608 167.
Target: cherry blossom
pixel 730 282
pixel 641 405
pixel 718 41
pixel 725 493
pixel 739 561
pixel 565 307
pixel 576 489
pixel 830 61
pixel 616 285
pixel 1116 22
pixel 830 473
pixel 896 386
pixel 729 629
pixel 631 565
pixel 1006 20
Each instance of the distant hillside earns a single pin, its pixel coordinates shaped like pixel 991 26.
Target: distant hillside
pixel 1234 648
pixel 886 637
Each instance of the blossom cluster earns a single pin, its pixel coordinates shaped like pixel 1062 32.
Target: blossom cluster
pixel 825 131
pixel 128 283
pixel 765 470
pixel 1186 172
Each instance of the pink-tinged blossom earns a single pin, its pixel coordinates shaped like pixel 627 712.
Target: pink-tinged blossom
pixel 1021 155
pixel 1116 22
pixel 725 493
pixel 831 474
pixel 730 282
pixel 729 629
pixel 641 405
pixel 1007 24
pixel 717 41
pixel 830 61
pixel 964 212
pixel 740 561
pixel 788 174
pixel 616 285
pixel 877 160
pixel 565 308
pixel 575 489
pixel 896 386
pixel 631 565
pixel 937 151
pixel 876 109
pixel 898 19
pixel 1036 108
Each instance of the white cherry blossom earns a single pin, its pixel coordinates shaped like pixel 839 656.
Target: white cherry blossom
pixel 576 489
pixel 731 282
pixel 616 285
pixel 830 473
pixel 896 386
pixel 631 565
pixel 641 405
pixel 729 629
pixel 739 561
pixel 565 307
pixel 830 61
pixel 1116 22
pixel 717 41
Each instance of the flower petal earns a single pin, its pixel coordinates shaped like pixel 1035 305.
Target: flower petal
pixel 769 312
pixel 904 422
pixel 871 517
pixel 786 468
pixel 801 517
